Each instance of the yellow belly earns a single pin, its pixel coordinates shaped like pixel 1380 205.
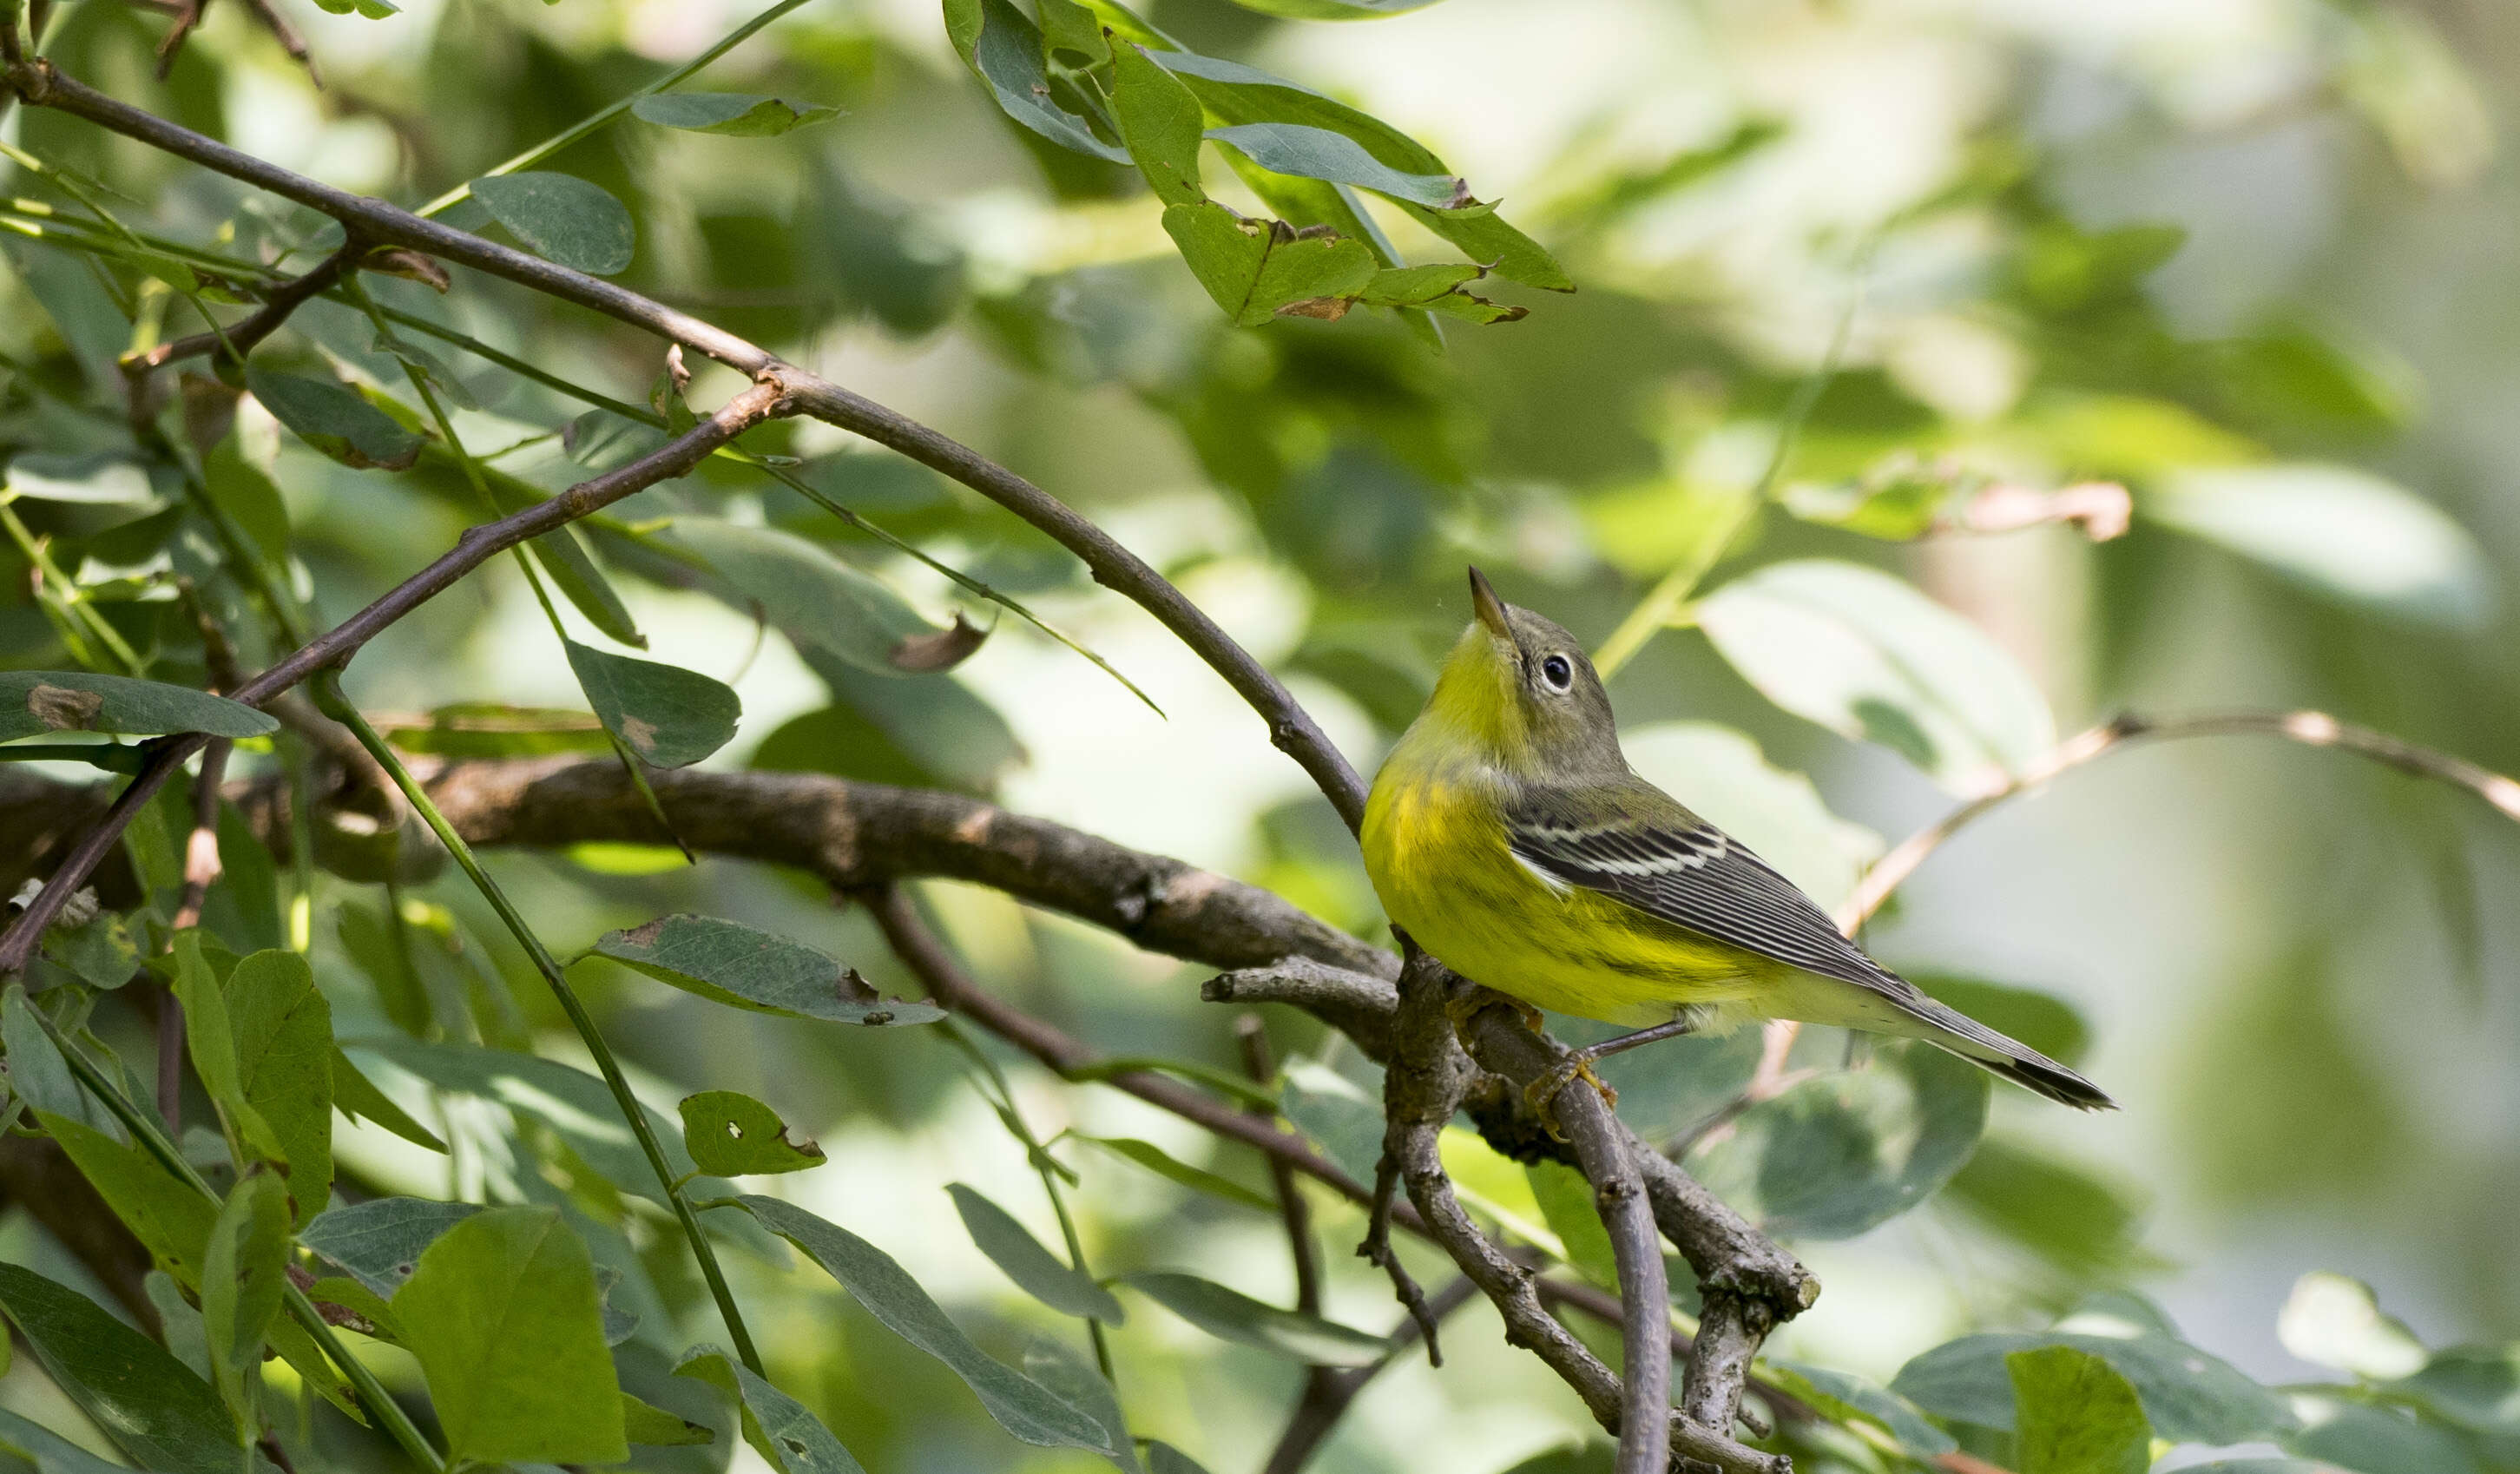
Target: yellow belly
pixel 1437 857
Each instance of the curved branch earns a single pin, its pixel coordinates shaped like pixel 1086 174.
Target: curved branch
pixel 2313 728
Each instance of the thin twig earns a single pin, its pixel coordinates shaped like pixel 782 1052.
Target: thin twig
pixel 186 18
pixel 200 870
pixel 286 35
pixel 476 546
pixel 1329 1395
pixel 239 338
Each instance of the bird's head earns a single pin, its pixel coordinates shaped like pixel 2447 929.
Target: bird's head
pixel 1518 689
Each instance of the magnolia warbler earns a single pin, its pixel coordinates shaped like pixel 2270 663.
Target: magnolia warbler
pixel 1506 834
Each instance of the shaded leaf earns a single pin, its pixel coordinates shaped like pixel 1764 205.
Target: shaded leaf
pixel 1003 46
pixel 647 1424
pixel 2070 1216
pixel 151 1404
pixel 1320 154
pixel 487 728
pixel 380 1241
pixel 38 1074
pixel 1067 1372
pixel 169 1216
pixel 1866 656
pixel 730 1133
pixel 505 1320
pixel 209 1037
pixel 1232 1316
pixel 1162 1163
pixel 735 115
pixel 2187 1395
pixel 1160 122
pixel 817 601
pixel 1335 1113
pixel 241 1279
pixel 337 421
pixel 38 702
pixel 49 1451
pixel 669 716
pixel 1036 1271
pixel 1843 1395
pixel 1022 1407
pixel 1834 1156
pixel 2341 1433
pixel 2476 1387
pixel 777 1425
pixel 735 964
pixel 560 218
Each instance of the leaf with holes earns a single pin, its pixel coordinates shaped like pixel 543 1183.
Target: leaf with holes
pixel 1232 1316
pixel 737 965
pixel 504 1317
pixel 33 702
pixel 337 421
pixel 669 716
pixel 560 218
pixel 380 1241
pixel 730 1133
pixel 778 1426
pixel 1021 1406
pixel 1258 269
pixel 735 115
pixel 1039 1273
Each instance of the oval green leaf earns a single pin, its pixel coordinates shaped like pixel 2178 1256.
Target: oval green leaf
pixel 777 1425
pixel 734 114
pixel 2188 1395
pixel 669 716
pixel 2337 531
pixel 151 1405
pixel 560 218
pixel 337 419
pixel 2075 1414
pixel 730 1133
pixel 1232 1316
pixel 1866 656
pixel 744 968
pixel 1036 1271
pixel 38 702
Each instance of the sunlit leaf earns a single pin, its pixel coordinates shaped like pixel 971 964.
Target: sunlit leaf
pixel 2075 1414
pixel 1255 269
pixel 1232 1316
pixel 647 1424
pixel 2341 532
pixel 38 702
pixel 560 218
pixel 1036 1271
pixel 1160 122
pixel 735 964
pixel 875 1281
pixel 730 1133
pixel 735 114
pixel 504 1317
pixel 1866 656
pixel 2333 1321
pixel 669 716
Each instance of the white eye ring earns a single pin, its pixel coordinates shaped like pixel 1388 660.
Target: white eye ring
pixel 1558 673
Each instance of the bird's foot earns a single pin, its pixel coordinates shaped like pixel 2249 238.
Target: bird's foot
pixel 1542 1093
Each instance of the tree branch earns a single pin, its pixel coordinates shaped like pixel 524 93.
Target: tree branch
pixel 476 546
pixel 240 336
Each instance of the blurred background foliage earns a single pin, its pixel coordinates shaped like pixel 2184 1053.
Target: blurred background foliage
pixel 1941 378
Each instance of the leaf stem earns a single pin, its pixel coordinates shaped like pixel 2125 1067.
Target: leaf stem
pixel 327 688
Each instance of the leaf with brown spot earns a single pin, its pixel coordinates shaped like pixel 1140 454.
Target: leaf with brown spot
pixel 63 709
pixel 411 266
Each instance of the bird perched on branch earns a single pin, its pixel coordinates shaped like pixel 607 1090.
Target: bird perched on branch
pixel 1506 834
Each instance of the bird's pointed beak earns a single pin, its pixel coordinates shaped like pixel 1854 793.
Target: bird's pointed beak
pixel 1491 608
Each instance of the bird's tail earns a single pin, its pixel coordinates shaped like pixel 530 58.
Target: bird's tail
pixel 1958 1034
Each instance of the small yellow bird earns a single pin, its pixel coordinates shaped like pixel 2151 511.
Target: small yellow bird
pixel 1507 835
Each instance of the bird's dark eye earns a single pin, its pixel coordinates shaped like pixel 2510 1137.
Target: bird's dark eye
pixel 1556 672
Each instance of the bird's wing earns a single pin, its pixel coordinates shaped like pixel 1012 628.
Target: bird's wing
pixel 1635 843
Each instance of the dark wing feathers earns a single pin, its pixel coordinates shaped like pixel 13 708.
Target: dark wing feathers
pixel 1689 872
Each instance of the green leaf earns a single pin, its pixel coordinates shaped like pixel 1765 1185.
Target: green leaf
pixel 2475 1387
pixel 169 1216
pixel 1232 1316
pixel 489 728
pixel 49 1451
pixel 380 1241
pixel 1036 1271
pixel 560 218
pixel 1005 52
pixel 1320 154
pixel 647 1424
pixel 38 702
pixel 2337 531
pixel 1868 656
pixel 40 1076
pixel 1160 122
pixel 2189 1395
pixel 1162 1163
pixel 243 906
pixel 356 1096
pixel 337 421
pixel 1565 1201
pixel 1163 1458
pixel 730 1133
pixel 101 478
pixel 669 716
pixel 374 10
pixel 746 968
pixel 1834 1156
pixel 211 1039
pixel 1480 233
pixel 1255 269
pixel 779 1427
pixel 1846 1398
pixel 817 601
pixel 1066 1371
pixel 370 939
pixel 2335 1322
pixel 1722 774
pixel 735 115
pixel 149 1404
pixel 241 1279
pixel 504 1317
pixel 2074 1414
pixel 283 1048
pixel 2073 1217
pixel 2340 1433
pixel 574 1104
pixel 1335 10
pixel 1022 1407
pixel 1334 1113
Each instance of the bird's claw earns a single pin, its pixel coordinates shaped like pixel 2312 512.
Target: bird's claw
pixel 1542 1093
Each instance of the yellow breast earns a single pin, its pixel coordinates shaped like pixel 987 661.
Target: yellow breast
pixel 1435 849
